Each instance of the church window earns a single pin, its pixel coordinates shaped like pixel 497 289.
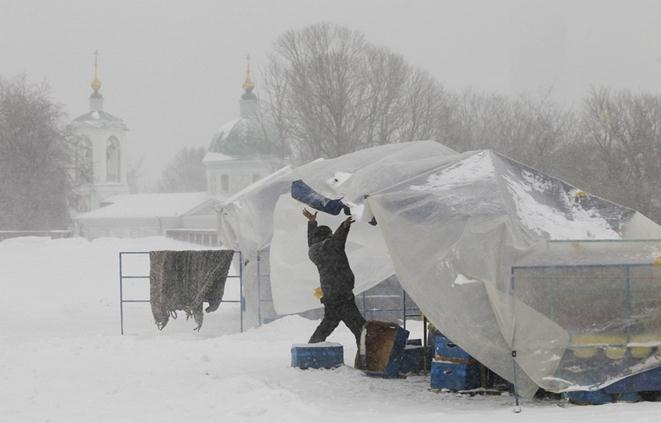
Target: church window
pixel 225 183
pixel 84 163
pixel 112 160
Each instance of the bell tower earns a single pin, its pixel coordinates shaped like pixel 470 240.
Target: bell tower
pixel 100 168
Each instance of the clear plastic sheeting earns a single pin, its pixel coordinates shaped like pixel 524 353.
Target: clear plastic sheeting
pixel 579 314
pixel 454 234
pixel 245 221
pixel 294 277
pixel 246 225
pixel 350 177
pixel 605 297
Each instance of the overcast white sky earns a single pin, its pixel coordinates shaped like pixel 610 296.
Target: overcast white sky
pixel 173 69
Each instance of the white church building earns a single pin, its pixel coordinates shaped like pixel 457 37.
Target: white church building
pixel 241 152
pixel 101 156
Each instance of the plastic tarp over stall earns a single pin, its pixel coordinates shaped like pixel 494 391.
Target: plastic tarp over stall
pixel 245 221
pixel 350 177
pixel 246 225
pixel 455 230
pixel 481 244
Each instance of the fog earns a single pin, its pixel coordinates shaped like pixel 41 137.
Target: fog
pixel 173 70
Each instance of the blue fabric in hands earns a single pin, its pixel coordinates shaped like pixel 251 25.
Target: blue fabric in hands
pixel 304 193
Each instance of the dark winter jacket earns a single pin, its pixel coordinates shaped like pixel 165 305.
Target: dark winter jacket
pixel 327 253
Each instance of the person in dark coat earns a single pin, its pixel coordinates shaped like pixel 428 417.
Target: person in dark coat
pixel 326 250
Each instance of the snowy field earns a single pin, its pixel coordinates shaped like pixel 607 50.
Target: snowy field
pixel 62 358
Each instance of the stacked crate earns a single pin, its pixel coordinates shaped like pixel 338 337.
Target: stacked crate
pixel 453 368
pixel 416 358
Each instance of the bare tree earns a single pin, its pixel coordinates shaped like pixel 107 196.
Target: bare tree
pixel 331 92
pixel 185 172
pixel 35 184
pixel 624 130
pixel 134 173
pixel 530 129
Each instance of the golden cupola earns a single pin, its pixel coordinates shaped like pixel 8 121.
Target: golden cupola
pixel 96 82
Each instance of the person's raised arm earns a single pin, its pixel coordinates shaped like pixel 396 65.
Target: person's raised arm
pixel 312 224
pixel 341 233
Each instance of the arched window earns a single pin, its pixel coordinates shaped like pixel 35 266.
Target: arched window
pixel 84 161
pixel 112 160
pixel 225 183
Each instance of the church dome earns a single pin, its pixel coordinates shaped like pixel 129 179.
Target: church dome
pixel 249 136
pixel 242 138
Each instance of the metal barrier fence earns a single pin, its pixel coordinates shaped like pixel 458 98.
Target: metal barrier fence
pixel 407 311
pixel 123 300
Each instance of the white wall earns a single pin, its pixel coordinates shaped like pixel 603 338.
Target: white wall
pixel 126 227
pixel 241 173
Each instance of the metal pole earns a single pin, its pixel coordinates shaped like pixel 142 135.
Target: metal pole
pixel 404 307
pixel 241 300
pixel 364 305
pixel 121 296
pixel 259 290
pixel 424 342
pixel 517 405
pixel 628 302
pixel 424 330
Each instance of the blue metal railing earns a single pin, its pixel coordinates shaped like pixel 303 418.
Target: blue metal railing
pixel 123 300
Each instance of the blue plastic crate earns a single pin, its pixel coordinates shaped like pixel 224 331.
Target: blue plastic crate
pixel 397 353
pixel 446 348
pixel 628 397
pixel 602 396
pixel 627 389
pixel 413 360
pixel 324 355
pixel 590 397
pixel 454 376
pixel 642 382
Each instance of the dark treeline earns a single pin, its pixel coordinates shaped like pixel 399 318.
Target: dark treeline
pixel 330 92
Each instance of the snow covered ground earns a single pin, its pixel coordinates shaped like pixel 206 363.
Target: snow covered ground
pixel 62 358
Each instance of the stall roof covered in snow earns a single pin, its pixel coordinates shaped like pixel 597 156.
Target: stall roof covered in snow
pixel 147 205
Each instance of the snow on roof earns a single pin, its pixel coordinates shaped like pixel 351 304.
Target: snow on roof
pixel 147 205
pixel 225 130
pixel 543 204
pixel 98 119
pixel 216 157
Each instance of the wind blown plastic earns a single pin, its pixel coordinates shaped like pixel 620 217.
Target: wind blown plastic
pixel 500 258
